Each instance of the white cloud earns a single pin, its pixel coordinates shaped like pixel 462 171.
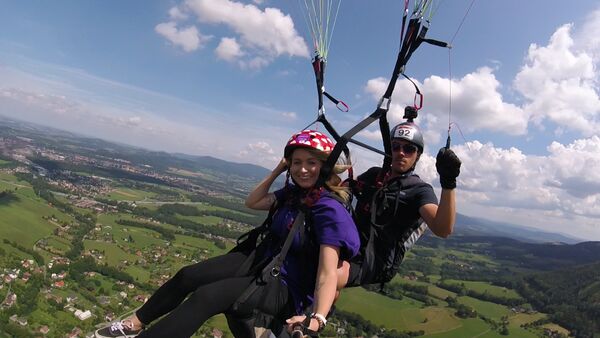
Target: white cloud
pixel 374 135
pixel 255 63
pixel 565 91
pixel 290 115
pixel 588 37
pixel 259 152
pixel 565 181
pixel 576 167
pixel 73 100
pixel 57 104
pixel 175 13
pixel 261 35
pixel 188 38
pixel 228 49
pixel 476 100
pixel 269 30
pixel 262 147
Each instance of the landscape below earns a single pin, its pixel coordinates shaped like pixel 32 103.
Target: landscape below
pixel 89 229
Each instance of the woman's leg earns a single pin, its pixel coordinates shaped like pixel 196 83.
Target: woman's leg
pixel 188 279
pixel 241 326
pixel 207 301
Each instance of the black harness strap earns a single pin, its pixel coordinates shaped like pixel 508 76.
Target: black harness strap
pixel 248 242
pixel 415 35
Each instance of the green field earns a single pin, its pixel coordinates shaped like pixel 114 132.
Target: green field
pixel 469 328
pixel 490 310
pixel 439 292
pixel 484 287
pixel 129 194
pixel 22 221
pixel 406 314
pixel 4 185
pixel 438 322
pixel 58 243
pixel 206 220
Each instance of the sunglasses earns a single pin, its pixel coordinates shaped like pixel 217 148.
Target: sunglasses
pixel 407 149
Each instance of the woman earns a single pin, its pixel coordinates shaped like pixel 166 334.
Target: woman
pixel 308 274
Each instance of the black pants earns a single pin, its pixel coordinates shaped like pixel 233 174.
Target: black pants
pixel 213 286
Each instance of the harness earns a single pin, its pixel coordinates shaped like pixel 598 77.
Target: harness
pixel 269 267
pixel 383 244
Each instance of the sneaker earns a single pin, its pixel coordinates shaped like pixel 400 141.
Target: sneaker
pixel 122 329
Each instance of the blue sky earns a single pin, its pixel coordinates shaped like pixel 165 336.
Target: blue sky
pixel 232 79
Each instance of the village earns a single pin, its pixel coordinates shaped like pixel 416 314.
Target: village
pixel 84 303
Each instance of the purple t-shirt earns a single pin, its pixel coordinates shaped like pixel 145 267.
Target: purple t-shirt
pixel 331 225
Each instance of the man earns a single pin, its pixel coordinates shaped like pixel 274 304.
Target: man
pixel 391 208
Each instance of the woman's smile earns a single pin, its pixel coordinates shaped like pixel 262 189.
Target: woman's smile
pixel 305 168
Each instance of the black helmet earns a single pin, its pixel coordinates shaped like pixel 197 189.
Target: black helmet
pixel 410 132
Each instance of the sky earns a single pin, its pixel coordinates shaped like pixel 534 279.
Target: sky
pixel 232 79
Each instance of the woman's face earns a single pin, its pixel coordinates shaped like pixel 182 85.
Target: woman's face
pixel 304 168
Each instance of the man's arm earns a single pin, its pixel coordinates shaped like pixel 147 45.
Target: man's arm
pixel 440 219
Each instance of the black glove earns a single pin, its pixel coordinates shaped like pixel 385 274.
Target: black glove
pixel 448 166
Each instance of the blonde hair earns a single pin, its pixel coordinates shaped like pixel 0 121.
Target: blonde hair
pixel 334 181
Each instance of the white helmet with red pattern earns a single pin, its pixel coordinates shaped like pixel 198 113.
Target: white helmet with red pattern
pixel 308 139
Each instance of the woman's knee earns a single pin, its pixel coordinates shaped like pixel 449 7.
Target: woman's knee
pixel 343 273
pixel 186 278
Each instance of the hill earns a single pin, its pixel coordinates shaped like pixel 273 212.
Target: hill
pixel 474 226
pixel 536 256
pixel 571 295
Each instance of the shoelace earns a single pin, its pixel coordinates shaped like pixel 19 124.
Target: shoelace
pixel 118 326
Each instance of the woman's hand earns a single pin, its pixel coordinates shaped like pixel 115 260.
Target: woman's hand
pixel 260 198
pixel 281 167
pixel 298 321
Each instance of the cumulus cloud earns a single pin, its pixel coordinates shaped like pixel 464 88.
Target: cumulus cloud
pixel 261 34
pixel 262 147
pixel 259 152
pixel 588 37
pixel 561 91
pixel 564 181
pixel 576 167
pixel 188 38
pixel 564 93
pixel 175 13
pixel 374 135
pixel 475 98
pixel 228 49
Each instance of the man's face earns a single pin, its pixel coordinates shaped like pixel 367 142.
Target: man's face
pixel 404 156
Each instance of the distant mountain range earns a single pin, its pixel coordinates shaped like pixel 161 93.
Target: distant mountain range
pixel 473 226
